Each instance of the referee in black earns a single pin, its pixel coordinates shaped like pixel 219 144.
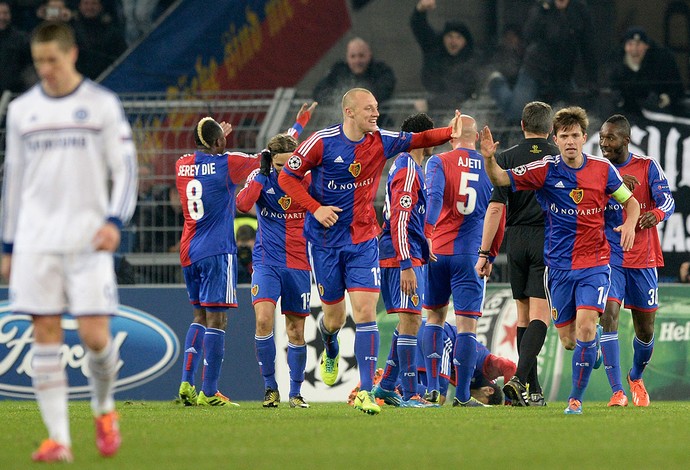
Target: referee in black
pixel 525 250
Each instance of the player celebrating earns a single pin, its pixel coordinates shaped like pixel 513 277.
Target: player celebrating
pixel 404 254
pixel 346 161
pixel 281 269
pixel 458 194
pixel 70 184
pixel 633 273
pixel 206 182
pixel 573 189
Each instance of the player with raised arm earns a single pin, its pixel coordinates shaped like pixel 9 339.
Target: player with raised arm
pixel 206 182
pixel 70 183
pixel 281 268
pixel 524 247
pixel 458 192
pixel 633 273
pixel 573 189
pixel 346 161
pixel 404 254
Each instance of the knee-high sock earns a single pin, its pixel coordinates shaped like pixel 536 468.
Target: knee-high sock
pixel 50 385
pixel 193 351
pixel 390 374
pixel 407 358
pixel 366 352
pixel 642 353
pixel 432 346
pixel 612 363
pixel 583 363
pixel 330 340
pixel 531 344
pixel 214 351
pixel 266 357
pixel 464 360
pixel 297 362
pixel 103 366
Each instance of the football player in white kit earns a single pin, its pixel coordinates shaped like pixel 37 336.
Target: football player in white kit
pixel 70 184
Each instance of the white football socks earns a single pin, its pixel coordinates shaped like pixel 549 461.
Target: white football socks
pixel 50 385
pixel 103 367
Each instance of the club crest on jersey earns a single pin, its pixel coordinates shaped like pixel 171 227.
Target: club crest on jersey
pixel 294 163
pixel 355 169
pixel 415 299
pixel 535 149
pixel 406 201
pixel 81 114
pixel 285 202
pixel 554 313
pixel 577 195
pixel 321 289
pixel 255 289
pixel 520 170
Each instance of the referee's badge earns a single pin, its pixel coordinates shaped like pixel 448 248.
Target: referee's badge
pixel 355 169
pixel 577 195
pixel 535 149
pixel 255 289
pixel 285 202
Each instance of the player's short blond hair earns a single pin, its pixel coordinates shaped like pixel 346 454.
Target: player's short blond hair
pixel 57 31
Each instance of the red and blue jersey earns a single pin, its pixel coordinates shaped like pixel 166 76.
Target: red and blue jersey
pixel 279 238
pixel 402 242
pixel 206 185
pixel 346 174
pixel 654 196
pixel 458 193
pixel 573 200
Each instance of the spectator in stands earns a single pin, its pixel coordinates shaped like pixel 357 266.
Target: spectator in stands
pixel 508 56
pixel 449 70
pixel 358 70
pixel 54 10
pixel 138 18
pixel 16 72
pixel 99 39
pixel 645 75
pixel 684 272
pixel 160 223
pixel 245 239
pixel 557 33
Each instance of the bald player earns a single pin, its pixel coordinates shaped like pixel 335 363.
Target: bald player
pixel 458 193
pixel 346 162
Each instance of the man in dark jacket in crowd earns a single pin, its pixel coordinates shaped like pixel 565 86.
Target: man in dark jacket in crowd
pixel 449 71
pixel 646 76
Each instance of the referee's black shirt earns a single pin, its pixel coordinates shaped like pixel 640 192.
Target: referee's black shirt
pixel 522 206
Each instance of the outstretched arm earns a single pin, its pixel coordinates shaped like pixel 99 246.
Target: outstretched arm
pixel 497 175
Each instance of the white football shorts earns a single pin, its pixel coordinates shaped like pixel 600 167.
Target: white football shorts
pixel 76 283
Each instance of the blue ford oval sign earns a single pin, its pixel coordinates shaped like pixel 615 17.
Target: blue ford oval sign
pixel 148 347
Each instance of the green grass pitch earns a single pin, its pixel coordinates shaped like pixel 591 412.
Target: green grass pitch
pixel 165 435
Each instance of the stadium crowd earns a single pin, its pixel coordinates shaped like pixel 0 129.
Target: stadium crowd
pixel 443 221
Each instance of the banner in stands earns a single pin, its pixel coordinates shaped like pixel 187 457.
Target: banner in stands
pixel 151 323
pixel 667 139
pixel 210 45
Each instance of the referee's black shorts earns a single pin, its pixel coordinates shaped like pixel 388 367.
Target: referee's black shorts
pixel 525 251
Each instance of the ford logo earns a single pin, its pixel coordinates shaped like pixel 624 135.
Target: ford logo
pixel 148 347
